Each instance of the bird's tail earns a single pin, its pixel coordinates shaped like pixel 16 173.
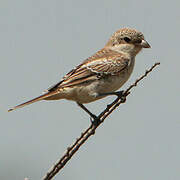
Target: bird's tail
pixel 39 98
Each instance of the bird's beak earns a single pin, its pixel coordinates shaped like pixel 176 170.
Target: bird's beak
pixel 145 44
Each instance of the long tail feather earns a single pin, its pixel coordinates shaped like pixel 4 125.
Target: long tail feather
pixel 39 98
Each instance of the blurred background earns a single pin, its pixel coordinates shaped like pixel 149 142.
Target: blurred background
pixel 40 41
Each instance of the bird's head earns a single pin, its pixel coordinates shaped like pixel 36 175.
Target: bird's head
pixel 128 41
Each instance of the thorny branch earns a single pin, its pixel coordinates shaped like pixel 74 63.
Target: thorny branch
pixel 91 130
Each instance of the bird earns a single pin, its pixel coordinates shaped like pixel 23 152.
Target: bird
pixel 101 74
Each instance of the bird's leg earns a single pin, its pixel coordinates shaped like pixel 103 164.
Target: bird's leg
pixel 93 116
pixel 117 93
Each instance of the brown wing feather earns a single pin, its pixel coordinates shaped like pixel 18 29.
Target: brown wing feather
pixel 112 65
pixel 104 62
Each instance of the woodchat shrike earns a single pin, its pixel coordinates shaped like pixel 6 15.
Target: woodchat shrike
pixel 101 74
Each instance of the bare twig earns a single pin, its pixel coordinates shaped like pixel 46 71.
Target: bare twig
pixel 91 130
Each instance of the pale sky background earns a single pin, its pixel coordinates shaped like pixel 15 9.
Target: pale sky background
pixel 40 41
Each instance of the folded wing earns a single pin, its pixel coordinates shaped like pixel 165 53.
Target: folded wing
pixel 103 63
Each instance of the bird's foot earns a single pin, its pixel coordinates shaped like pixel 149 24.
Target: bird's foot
pixel 119 94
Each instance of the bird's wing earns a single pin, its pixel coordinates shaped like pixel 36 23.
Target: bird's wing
pixel 103 63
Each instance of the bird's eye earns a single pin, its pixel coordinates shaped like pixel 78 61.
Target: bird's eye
pixel 127 39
